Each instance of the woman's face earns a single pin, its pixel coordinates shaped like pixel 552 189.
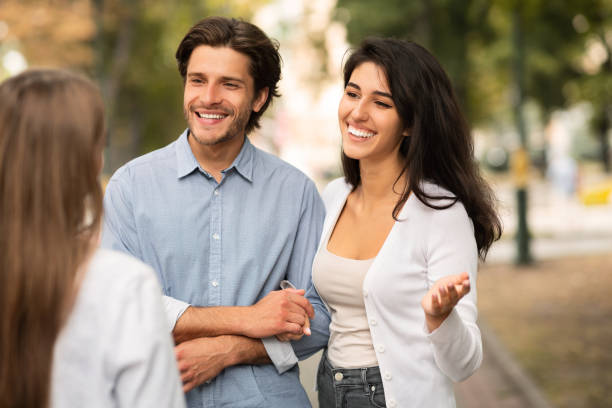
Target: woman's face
pixel 370 125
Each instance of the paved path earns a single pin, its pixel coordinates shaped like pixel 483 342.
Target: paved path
pixel 500 382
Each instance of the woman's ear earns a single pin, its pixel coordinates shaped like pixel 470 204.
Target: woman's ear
pixel 406 132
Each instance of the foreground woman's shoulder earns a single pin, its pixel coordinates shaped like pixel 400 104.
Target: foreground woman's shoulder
pixel 115 269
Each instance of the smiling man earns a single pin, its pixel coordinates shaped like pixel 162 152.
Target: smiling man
pixel 223 223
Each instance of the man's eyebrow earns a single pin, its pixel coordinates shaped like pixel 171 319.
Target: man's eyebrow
pixel 381 93
pixel 229 78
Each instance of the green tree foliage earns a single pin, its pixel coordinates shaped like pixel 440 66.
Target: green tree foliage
pixel 473 39
pixel 128 47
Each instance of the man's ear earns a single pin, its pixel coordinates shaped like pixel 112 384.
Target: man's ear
pixel 260 99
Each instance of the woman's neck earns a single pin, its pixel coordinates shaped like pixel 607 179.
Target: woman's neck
pixel 378 181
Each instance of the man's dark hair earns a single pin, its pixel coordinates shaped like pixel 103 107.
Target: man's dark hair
pixel 245 38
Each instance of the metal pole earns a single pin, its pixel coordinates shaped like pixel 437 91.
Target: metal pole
pixel 521 159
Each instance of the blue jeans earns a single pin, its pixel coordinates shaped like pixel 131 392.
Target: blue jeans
pixel 349 388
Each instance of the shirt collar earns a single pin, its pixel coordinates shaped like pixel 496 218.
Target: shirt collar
pixel 186 162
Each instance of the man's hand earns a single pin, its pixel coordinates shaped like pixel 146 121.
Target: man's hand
pixel 200 360
pixel 280 312
pixel 442 298
pixel 293 337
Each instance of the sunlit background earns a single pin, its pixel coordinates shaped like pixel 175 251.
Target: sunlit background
pixel 534 79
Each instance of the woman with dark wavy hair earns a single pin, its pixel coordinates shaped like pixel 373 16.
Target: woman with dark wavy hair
pixel 79 327
pixel 405 227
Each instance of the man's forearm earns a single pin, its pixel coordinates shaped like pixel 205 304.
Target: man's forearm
pixel 247 350
pixel 208 322
pixel 284 311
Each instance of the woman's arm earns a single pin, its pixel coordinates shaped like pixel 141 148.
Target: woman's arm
pixel 451 317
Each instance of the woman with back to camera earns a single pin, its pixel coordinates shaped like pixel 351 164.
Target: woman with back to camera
pixel 79 327
pixel 397 262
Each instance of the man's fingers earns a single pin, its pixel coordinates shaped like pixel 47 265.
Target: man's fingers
pixel 186 376
pixel 183 366
pixel 303 303
pixel 188 386
pixel 297 317
pixel 293 328
pixel 306 328
pixel 300 292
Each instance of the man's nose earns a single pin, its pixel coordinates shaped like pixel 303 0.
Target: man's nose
pixel 210 95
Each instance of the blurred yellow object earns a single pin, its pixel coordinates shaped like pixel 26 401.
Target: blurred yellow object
pixel 519 163
pixel 597 195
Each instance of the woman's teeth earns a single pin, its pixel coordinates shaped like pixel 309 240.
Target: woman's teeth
pixel 360 133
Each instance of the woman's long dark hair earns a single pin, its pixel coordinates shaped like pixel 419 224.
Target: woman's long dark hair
pixel 51 141
pixel 440 148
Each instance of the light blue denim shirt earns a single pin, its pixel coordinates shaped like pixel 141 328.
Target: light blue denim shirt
pixel 221 244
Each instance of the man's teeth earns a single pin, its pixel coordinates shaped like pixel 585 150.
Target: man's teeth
pixel 210 115
pixel 359 133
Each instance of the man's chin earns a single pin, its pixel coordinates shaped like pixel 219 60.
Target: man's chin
pixel 211 140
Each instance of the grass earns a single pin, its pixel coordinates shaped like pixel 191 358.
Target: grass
pixel 555 317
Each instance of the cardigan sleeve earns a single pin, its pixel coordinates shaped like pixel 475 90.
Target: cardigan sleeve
pixel 451 249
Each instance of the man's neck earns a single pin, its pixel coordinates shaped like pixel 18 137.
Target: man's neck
pixel 218 157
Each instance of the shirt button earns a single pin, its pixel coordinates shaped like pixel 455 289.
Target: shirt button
pixel 216 236
pixel 338 376
pixel 216 192
pixel 388 376
pixel 380 348
pixel 214 283
pixel 373 322
pixel 392 403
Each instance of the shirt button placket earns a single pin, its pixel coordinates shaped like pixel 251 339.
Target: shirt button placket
pixel 214 298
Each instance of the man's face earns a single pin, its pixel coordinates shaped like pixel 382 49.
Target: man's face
pixel 219 94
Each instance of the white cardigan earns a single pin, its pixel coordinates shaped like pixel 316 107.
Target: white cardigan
pixel 418 367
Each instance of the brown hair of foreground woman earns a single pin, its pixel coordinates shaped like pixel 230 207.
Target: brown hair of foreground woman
pixel 51 142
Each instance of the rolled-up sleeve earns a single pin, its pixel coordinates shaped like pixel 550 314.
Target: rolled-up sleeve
pixel 174 310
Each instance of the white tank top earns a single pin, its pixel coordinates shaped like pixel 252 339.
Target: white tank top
pixel 339 282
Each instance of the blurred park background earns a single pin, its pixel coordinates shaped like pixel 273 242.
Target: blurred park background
pixel 535 80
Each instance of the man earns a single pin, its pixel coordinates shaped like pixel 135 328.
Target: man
pixel 223 223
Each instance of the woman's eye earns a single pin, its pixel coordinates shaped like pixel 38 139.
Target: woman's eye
pixel 351 94
pixel 383 105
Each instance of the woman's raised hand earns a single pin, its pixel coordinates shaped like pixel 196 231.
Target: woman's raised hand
pixel 442 298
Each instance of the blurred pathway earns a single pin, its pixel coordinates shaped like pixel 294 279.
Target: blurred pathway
pixel 559 225
pixel 500 382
